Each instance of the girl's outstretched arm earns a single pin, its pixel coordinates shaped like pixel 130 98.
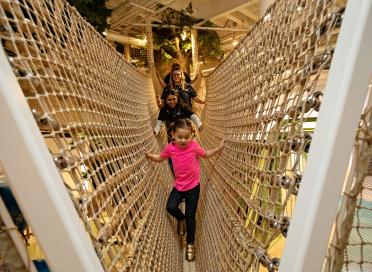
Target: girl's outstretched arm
pixel 153 157
pixel 212 152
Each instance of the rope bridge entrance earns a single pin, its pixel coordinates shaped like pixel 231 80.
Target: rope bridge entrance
pixel 96 112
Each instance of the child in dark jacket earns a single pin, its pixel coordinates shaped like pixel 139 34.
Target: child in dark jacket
pixel 172 111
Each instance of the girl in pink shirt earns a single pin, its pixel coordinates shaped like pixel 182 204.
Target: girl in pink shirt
pixel 185 153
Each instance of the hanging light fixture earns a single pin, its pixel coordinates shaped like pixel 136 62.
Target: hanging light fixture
pixel 183 35
pixel 235 42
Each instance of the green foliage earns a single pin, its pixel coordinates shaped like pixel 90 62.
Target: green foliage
pixel 209 44
pixel 165 46
pixel 84 174
pixel 141 36
pixel 165 37
pixel 169 46
pixel 186 46
pixel 94 11
pixel 165 56
pixel 180 19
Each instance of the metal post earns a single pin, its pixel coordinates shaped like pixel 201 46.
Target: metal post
pixel 194 52
pixel 127 52
pixel 150 45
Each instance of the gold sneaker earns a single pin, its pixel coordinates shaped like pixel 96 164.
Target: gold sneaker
pixel 181 227
pixel 190 252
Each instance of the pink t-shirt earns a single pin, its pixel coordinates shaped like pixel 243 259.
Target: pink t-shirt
pixel 186 164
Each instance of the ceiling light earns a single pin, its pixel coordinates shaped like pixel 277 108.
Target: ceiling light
pixel 267 17
pixel 183 35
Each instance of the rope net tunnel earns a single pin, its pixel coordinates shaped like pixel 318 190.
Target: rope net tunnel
pixel 96 112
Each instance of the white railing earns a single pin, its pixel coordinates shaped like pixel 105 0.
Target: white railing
pixel 37 184
pixel 332 143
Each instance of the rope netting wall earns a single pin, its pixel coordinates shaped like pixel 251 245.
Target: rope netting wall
pixel 350 248
pixel 214 45
pixel 261 99
pixel 94 110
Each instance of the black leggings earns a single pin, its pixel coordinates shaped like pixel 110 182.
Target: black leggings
pixel 191 199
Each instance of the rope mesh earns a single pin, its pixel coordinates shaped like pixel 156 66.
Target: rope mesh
pixel 95 111
pixel 261 99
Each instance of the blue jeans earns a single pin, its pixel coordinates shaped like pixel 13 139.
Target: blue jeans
pixel 191 200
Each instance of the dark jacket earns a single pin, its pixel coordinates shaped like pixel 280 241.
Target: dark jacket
pixel 185 95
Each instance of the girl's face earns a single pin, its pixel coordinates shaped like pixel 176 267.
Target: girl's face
pixel 177 76
pixel 171 101
pixel 182 137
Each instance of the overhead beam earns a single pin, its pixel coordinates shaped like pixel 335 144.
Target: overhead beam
pixel 225 11
pixel 197 27
pixel 235 19
pixel 152 16
pixel 249 14
pixel 112 4
pixel 204 9
pixel 165 7
pixel 223 29
pixel 142 7
pixel 129 12
pixel 230 39
pixel 124 39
